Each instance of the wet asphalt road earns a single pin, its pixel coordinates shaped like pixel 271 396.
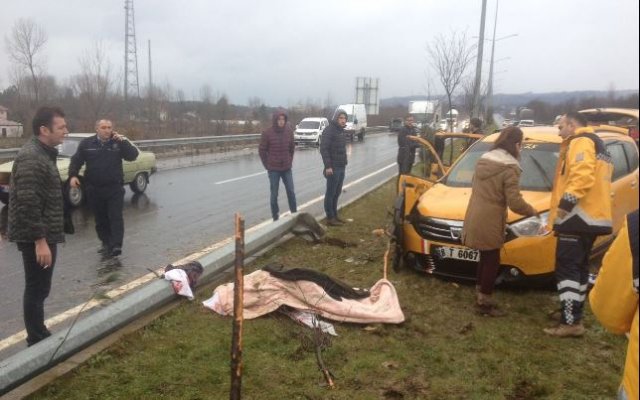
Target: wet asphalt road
pixel 183 211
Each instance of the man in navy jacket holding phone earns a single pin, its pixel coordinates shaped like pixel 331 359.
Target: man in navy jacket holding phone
pixel 103 181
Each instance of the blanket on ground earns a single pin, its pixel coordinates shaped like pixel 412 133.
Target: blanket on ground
pixel 264 293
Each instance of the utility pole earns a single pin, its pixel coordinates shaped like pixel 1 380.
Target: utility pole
pixel 150 75
pixel 131 86
pixel 489 102
pixel 475 111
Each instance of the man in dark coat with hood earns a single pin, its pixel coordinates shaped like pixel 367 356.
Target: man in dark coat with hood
pixel 276 152
pixel 333 148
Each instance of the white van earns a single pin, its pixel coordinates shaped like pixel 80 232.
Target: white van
pixel 309 131
pixel 356 120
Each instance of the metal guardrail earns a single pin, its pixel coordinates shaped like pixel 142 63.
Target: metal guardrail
pixel 148 143
pixel 8 153
pixel 194 140
pixel 36 359
pixel 61 345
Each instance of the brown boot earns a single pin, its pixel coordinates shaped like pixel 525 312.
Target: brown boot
pixel 486 307
pixel 334 222
pixel 564 330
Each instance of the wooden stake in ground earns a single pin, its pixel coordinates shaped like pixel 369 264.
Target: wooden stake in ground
pixel 238 296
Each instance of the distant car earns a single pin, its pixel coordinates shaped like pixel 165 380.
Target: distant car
pixel 356 120
pixel 309 131
pixel 526 123
pixel 136 173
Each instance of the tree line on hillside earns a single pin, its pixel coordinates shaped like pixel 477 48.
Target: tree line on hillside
pixel 95 91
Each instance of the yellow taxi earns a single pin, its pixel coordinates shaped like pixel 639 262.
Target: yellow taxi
pixel 429 213
pixel 623 120
pixel 447 146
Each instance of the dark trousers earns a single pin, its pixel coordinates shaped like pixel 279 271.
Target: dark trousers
pixel 488 270
pixel 37 285
pixel 572 274
pixel 334 189
pixel 106 203
pixel 405 167
pixel 287 180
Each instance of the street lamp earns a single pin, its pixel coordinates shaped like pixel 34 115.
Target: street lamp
pixel 489 102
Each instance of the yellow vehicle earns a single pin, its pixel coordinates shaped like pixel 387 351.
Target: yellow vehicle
pixel 429 213
pixel 448 147
pixel 623 120
pixel 136 173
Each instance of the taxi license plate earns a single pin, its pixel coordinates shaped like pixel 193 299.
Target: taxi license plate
pixel 456 253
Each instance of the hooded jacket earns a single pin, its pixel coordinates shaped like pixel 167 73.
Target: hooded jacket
pixel 582 185
pixel 277 146
pixel 614 298
pixel 333 146
pixel 496 187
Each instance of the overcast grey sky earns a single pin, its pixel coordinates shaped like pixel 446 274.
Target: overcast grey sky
pixel 287 51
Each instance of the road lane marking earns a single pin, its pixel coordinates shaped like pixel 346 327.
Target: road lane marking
pixel 240 177
pixel 72 312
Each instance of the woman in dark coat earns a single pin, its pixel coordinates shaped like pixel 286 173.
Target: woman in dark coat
pixel 495 189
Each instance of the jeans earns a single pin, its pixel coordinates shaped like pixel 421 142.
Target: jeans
pixel 106 203
pixel 287 179
pixel 36 290
pixel 334 189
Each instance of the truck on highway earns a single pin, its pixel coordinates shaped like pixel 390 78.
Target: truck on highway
pixel 356 120
pixel 425 112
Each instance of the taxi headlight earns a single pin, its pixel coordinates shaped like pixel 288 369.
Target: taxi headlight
pixel 532 226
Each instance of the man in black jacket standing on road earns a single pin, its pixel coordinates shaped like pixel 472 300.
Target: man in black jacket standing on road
pixel 103 180
pixel 333 148
pixel 36 214
pixel 406 147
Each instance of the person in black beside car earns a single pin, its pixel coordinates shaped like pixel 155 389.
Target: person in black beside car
pixel 103 180
pixel 406 147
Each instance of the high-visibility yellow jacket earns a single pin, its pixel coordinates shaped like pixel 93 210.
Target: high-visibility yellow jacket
pixel 614 298
pixel 582 186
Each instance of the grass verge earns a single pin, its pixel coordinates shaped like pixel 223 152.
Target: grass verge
pixel 442 350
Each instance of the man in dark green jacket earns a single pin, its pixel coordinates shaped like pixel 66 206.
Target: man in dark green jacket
pixel 36 216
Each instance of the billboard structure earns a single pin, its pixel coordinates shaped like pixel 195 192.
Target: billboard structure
pixel 367 94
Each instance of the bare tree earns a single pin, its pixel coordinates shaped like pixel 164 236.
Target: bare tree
pixel 206 108
pixel 95 83
pixel 222 111
pixel 25 46
pixel 450 56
